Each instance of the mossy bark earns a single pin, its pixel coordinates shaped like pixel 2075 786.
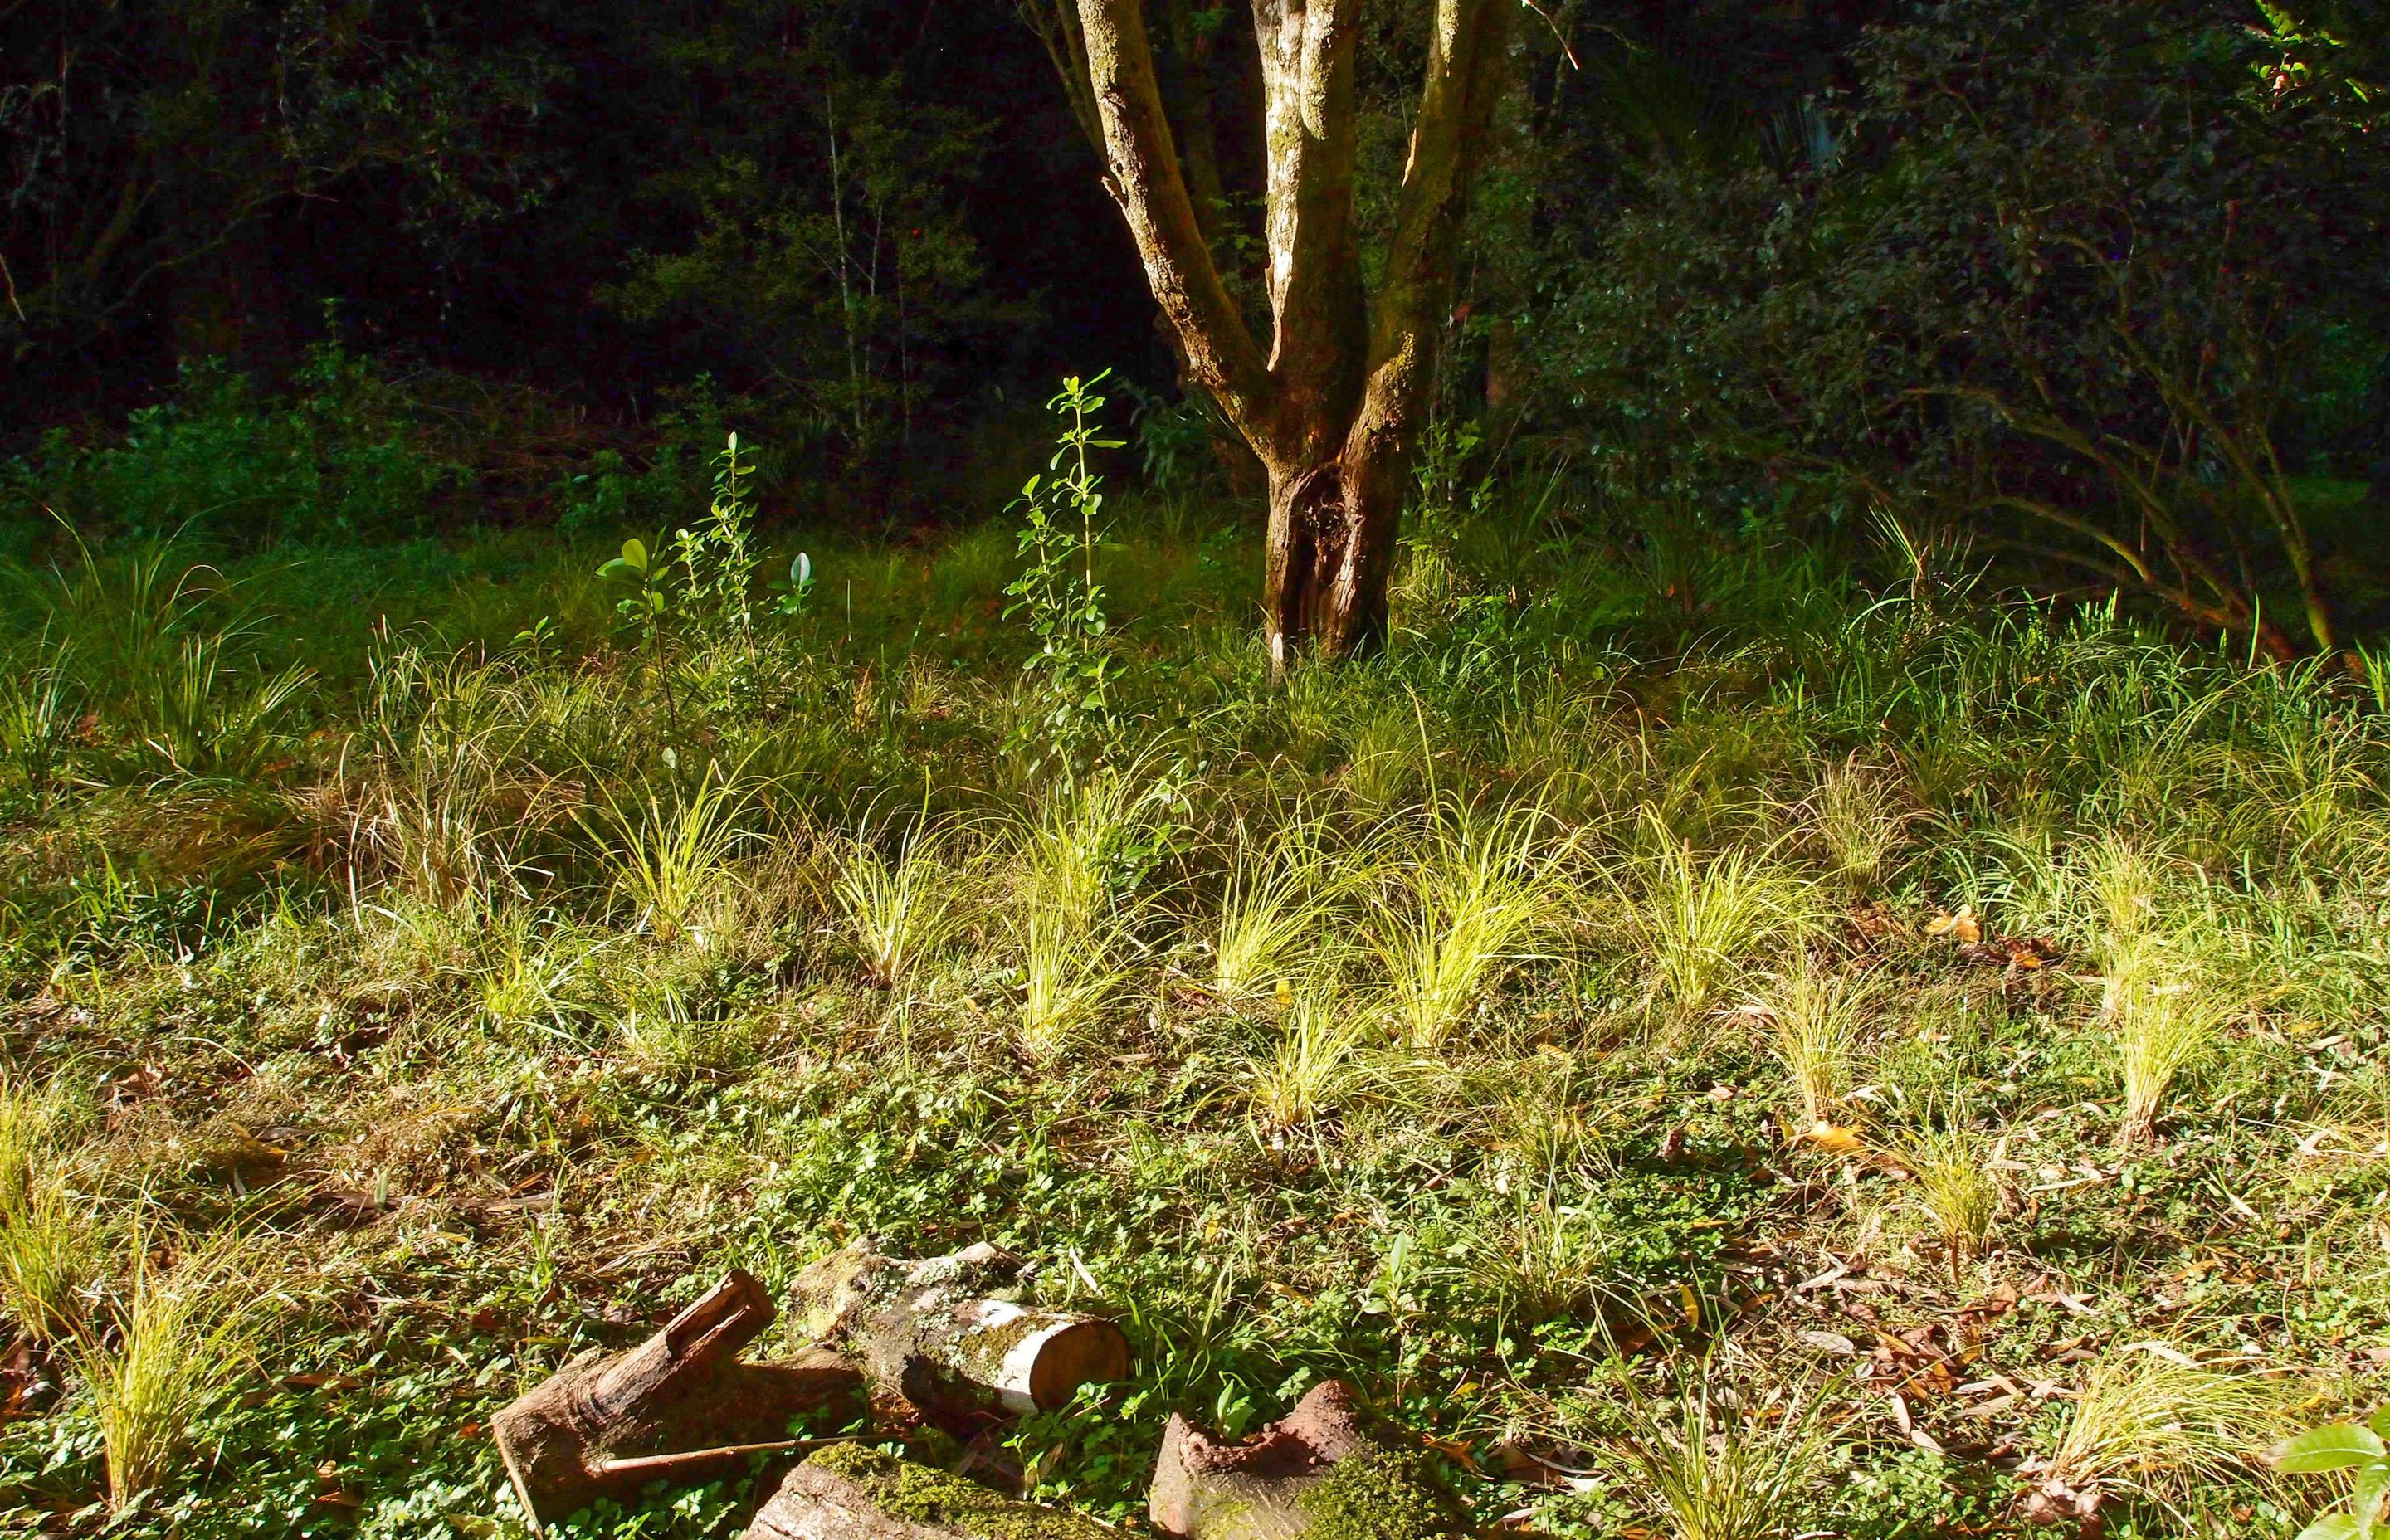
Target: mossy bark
pixel 853 1492
pixel 1325 1472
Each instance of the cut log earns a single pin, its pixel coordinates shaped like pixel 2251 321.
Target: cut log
pixel 853 1492
pixel 1324 1470
pixel 940 1333
pixel 678 1405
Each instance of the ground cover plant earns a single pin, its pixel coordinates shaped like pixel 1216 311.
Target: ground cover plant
pixel 1909 1063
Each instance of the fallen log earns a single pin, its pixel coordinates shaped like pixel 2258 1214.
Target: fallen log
pixel 679 1406
pixel 940 1333
pixel 1324 1470
pixel 853 1492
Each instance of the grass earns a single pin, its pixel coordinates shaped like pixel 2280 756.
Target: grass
pixel 175 1343
pixel 2148 1418
pixel 1699 917
pixel 2161 1020
pixel 1816 1015
pixel 49 1244
pixel 1710 1466
pixel 904 910
pixel 1355 1027
pixel 1467 890
pixel 1280 897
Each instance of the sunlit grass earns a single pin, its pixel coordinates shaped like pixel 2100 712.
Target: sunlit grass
pixel 1281 898
pixel 173 1343
pixel 1466 892
pixel 1816 1015
pixel 1699 917
pixel 903 910
pixel 2146 1417
pixel 670 853
pixel 1708 1465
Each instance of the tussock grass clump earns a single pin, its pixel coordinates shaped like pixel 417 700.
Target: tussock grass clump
pixel 2148 1418
pixel 1466 892
pixel 1955 1192
pixel 50 1250
pixel 1816 1015
pixel 1708 1465
pixel 172 1346
pixel 2163 1017
pixel 1857 816
pixel 670 855
pixel 903 909
pixel 1281 896
pixel 1320 1056
pixel 1698 918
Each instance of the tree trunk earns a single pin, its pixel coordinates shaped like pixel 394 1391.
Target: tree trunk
pixel 606 1425
pixel 1336 407
pixel 932 1331
pixel 1323 1467
pixel 852 1492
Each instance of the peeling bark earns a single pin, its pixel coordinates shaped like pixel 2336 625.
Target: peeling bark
pixel 601 1426
pixel 1335 409
pixel 850 1493
pixel 936 1332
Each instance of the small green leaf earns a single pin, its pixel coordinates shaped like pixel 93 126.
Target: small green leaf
pixel 2333 1448
pixel 2380 1422
pixel 635 551
pixel 617 569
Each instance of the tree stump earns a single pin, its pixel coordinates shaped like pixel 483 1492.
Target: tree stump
pixel 939 1333
pixel 1323 1470
pixel 680 1405
pixel 852 1492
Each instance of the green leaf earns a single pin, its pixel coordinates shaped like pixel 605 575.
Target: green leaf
pixel 2366 1504
pixel 2334 1448
pixel 635 552
pixel 2333 1526
pixel 617 569
pixel 2380 1422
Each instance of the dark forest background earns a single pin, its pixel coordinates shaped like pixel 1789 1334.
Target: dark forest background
pixel 2095 288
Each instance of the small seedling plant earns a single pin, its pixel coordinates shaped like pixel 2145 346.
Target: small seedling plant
pixel 1063 525
pixel 2359 1448
pixel 706 578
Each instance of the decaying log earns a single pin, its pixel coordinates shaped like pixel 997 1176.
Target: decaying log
pixel 680 1405
pixel 853 1492
pixel 1323 1469
pixel 940 1332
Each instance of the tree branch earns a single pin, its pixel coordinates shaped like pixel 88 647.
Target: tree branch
pixel 1145 180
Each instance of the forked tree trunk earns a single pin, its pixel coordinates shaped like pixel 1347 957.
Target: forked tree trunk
pixel 1335 407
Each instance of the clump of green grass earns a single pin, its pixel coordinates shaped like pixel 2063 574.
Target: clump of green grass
pixel 1317 1061
pixel 1698 918
pixel 1816 1015
pixel 1278 900
pixel 670 854
pixel 49 1246
pixel 2148 1419
pixel 173 1347
pixel 2161 1019
pixel 1954 1190
pixel 903 910
pixel 1467 890
pixel 1857 816
pixel 1708 1465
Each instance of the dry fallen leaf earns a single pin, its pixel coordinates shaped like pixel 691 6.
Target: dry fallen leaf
pixel 1831 1342
pixel 1962 926
pixel 1833 1139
